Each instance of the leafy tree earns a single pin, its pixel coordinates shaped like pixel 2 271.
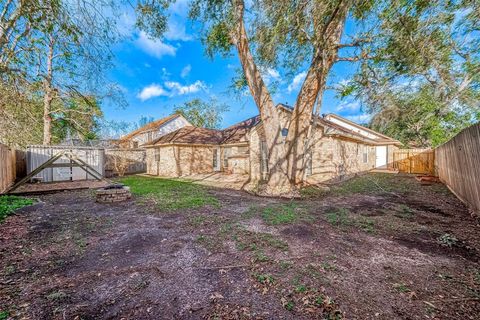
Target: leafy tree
pixel 203 114
pixel 397 37
pixel 423 84
pixel 63 48
pixel 409 119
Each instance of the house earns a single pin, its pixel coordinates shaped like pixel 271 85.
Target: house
pixel 339 149
pixel 152 131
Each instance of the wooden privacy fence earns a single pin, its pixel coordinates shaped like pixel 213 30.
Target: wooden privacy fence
pixel 420 161
pixel 458 165
pixel 7 167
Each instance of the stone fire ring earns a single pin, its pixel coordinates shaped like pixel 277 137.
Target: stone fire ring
pixel 113 193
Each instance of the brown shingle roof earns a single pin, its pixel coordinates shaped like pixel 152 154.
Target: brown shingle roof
pixel 191 135
pixel 150 126
pixel 236 132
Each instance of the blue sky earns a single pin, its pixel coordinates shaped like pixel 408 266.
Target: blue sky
pixel 156 75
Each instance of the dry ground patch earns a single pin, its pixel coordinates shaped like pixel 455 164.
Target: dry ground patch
pixel 378 246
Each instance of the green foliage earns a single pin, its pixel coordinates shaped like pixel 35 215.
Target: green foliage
pixel 8 205
pixel 339 217
pixel 282 214
pixel 448 240
pixel 203 114
pixel 4 314
pixel 418 119
pixel 170 194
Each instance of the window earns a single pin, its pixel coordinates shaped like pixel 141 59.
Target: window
pixel 365 154
pixel 157 154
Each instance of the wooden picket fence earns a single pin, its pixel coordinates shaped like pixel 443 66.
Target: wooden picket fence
pixel 418 161
pixel 458 165
pixel 7 167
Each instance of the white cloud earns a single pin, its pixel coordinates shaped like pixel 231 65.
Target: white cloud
pixel 126 23
pixel 186 71
pixel 178 89
pixel 152 91
pixel 154 47
pixel 348 107
pixel 297 81
pixel 176 30
pixel 360 118
pixel 269 75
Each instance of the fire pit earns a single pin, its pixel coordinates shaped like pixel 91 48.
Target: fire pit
pixel 113 193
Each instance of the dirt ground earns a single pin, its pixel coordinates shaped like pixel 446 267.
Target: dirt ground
pixel 377 247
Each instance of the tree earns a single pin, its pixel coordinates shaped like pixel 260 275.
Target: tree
pixel 409 119
pixel 285 34
pixel 427 86
pixel 65 47
pixel 203 114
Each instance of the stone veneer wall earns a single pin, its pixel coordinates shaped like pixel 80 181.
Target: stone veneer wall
pixel 176 161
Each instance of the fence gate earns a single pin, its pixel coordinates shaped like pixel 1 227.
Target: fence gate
pixel 420 161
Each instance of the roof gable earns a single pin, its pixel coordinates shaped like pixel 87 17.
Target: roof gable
pixel 357 129
pixel 155 125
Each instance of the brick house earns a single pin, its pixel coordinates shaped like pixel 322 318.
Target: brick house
pixel 152 131
pixel 339 149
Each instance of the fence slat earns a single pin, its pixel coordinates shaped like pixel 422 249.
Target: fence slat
pixel 419 161
pixel 458 165
pixel 7 167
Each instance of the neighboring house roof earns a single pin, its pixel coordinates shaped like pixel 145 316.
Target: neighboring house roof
pixel 150 126
pixel 190 135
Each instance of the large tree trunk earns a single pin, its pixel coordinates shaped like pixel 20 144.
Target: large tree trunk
pixel 286 160
pixel 301 127
pixel 278 181
pixel 48 96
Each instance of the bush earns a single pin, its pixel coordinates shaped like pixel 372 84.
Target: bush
pixel 8 205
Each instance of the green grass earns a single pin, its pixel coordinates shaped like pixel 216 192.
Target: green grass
pixel 170 194
pixel 283 214
pixel 373 183
pixel 4 315
pixel 339 217
pixel 342 218
pixel 8 205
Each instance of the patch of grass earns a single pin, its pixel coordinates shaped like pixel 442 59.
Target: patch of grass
pixel 313 192
pixel 447 240
pixel 257 240
pixel 170 194
pixel 265 278
pixel 340 217
pixel 4 314
pixel 401 287
pixel 289 305
pixel 327 266
pixel 301 288
pixel 284 214
pixel 8 205
pixel 404 211
pixel 209 243
pixel 366 224
pixel 372 183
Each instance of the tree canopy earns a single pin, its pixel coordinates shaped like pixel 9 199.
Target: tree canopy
pixel 201 113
